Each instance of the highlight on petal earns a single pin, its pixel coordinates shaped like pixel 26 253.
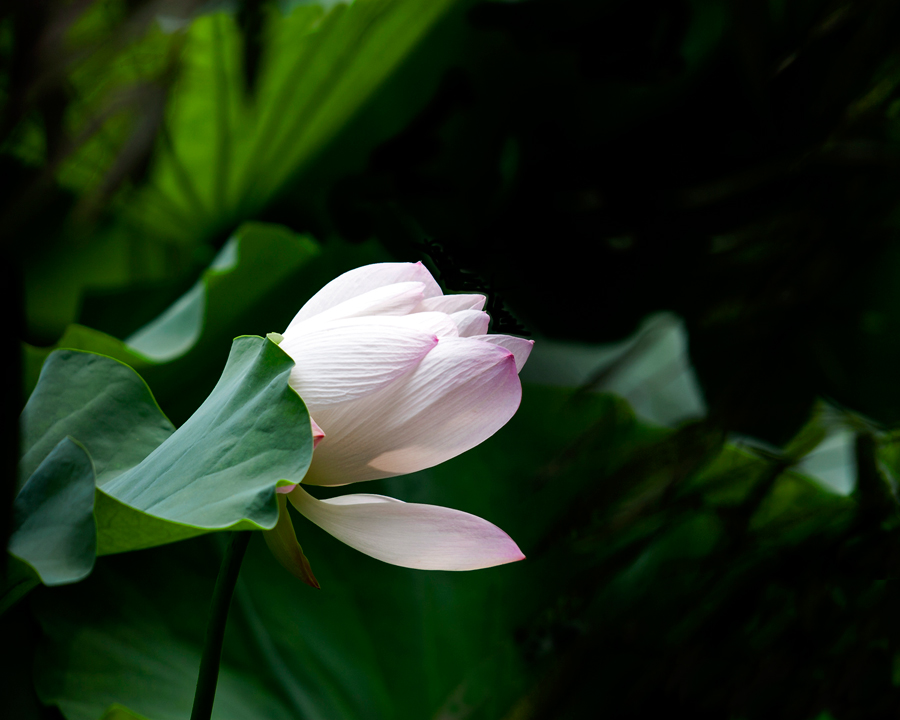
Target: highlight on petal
pixel 282 541
pixel 471 322
pixel 460 394
pixel 452 303
pixel 349 359
pixel 411 535
pixel 519 347
pixel 363 279
pixel 398 299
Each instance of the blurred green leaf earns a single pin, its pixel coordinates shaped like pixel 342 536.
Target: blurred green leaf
pixel 132 635
pixel 178 351
pixel 53 524
pixel 229 154
pixel 20 580
pixel 797 508
pixel 118 712
pixel 225 152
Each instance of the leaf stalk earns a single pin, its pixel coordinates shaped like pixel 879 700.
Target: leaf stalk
pixel 208 677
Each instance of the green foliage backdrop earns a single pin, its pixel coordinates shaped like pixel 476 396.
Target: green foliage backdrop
pixel 692 206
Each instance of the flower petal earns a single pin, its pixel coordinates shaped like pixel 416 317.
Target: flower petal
pixel 434 323
pixel 282 541
pixel 460 394
pixel 363 279
pixel 452 303
pixel 317 433
pixel 349 359
pixel 519 347
pixel 424 537
pixel 397 299
pixel 471 322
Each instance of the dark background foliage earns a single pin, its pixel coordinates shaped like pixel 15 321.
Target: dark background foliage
pixel 586 165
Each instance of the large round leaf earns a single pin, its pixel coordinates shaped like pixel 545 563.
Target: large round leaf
pixel 155 485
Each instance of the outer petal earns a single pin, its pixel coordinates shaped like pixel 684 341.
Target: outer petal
pixel 452 303
pixel 363 279
pixel 424 537
pixel 397 299
pixel 349 359
pixel 471 322
pixel 519 347
pixel 460 394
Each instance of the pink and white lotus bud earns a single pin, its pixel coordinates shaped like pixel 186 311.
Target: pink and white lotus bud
pixel 399 377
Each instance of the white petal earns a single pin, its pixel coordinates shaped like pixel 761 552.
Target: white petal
pixel 424 537
pixel 398 299
pixel 471 322
pixel 349 359
pixel 363 279
pixel 519 347
pixel 460 394
pixel 361 499
pixel 452 303
pixel 434 323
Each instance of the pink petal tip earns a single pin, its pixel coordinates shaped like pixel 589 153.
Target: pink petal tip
pixel 317 433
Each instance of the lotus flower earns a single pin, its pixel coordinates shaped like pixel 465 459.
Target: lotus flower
pixel 397 377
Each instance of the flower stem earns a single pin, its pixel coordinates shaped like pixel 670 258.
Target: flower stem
pixel 208 677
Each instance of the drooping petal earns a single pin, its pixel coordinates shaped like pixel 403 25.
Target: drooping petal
pixel 349 359
pixel 460 394
pixel 471 322
pixel 363 279
pixel 423 537
pixel 452 303
pixel 519 347
pixel 398 299
pixel 282 541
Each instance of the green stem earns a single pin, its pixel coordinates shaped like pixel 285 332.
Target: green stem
pixel 205 695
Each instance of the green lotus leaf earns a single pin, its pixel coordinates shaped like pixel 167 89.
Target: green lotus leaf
pixel 53 517
pixel 219 470
pixel 92 432
pixel 100 402
pixel 120 712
